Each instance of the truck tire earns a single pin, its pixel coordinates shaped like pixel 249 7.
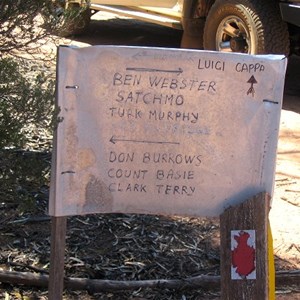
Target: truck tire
pixel 72 20
pixel 246 26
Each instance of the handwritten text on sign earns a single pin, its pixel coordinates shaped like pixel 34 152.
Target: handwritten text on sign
pixel 163 131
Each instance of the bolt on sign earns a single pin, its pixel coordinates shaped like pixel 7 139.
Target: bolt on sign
pixel 163 131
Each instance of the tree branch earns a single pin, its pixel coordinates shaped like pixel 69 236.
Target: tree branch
pixel 283 278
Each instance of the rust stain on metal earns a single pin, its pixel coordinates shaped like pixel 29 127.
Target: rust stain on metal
pixel 71 145
pixel 97 196
pixel 86 158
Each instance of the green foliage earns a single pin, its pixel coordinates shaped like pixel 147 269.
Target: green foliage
pixel 71 19
pixel 21 22
pixel 26 102
pixel 23 101
pixel 26 109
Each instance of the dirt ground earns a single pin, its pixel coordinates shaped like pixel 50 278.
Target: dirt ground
pixel 124 247
pixel 285 212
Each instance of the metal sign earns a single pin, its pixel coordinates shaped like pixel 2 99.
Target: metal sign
pixel 163 131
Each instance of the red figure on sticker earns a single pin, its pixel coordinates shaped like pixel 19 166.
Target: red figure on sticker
pixel 243 256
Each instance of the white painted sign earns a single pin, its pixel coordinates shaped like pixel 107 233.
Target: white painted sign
pixel 163 131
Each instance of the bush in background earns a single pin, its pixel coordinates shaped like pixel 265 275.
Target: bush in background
pixel 23 22
pixel 26 102
pixel 23 101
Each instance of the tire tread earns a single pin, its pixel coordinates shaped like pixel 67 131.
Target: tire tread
pixel 272 32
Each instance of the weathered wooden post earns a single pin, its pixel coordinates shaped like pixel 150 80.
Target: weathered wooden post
pixel 57 256
pixel 244 250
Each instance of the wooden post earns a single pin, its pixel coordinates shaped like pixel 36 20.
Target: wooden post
pixel 244 250
pixel 57 255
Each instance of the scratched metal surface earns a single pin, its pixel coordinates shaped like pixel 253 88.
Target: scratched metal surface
pixel 163 131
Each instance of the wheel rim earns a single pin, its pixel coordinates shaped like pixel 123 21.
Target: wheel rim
pixel 233 36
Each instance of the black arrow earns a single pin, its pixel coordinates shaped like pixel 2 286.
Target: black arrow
pixel 178 71
pixel 114 140
pixel 252 81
